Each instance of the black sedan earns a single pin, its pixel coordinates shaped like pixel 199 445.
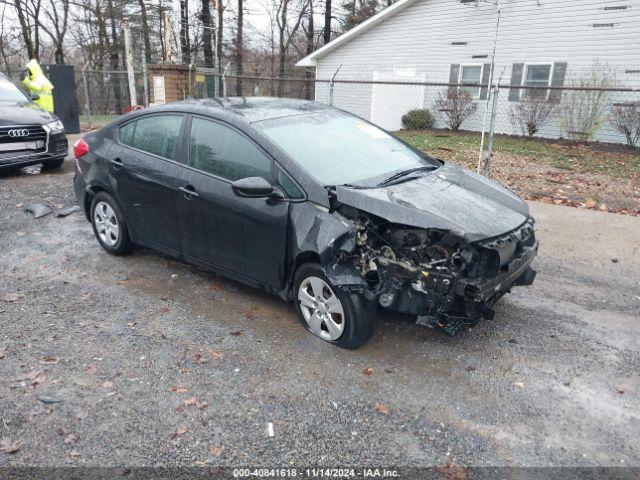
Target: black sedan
pixel 28 133
pixel 311 203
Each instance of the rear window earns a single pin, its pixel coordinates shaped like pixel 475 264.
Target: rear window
pixel 157 134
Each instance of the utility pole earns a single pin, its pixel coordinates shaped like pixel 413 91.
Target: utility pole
pixel 483 160
pixel 129 59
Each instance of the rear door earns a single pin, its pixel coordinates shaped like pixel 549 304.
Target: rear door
pixel 244 235
pixel 145 166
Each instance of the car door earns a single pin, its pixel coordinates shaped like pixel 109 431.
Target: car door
pixel 244 235
pixel 145 168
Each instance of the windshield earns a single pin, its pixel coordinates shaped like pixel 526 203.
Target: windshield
pixel 10 93
pixel 336 148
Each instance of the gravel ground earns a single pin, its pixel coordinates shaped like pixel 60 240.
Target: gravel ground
pixel 153 362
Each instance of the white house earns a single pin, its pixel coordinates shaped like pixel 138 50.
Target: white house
pixel 538 42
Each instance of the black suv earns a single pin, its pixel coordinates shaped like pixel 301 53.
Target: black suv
pixel 28 133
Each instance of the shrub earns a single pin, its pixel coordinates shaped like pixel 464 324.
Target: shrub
pixel 582 112
pixel 420 119
pixel 454 106
pixel 529 115
pixel 626 119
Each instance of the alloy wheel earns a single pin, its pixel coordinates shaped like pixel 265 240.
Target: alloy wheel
pixel 321 308
pixel 106 223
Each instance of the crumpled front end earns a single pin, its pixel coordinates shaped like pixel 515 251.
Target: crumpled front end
pixel 446 281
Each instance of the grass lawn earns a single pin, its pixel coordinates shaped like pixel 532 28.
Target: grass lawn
pixel 613 160
pixel 605 176
pixel 96 121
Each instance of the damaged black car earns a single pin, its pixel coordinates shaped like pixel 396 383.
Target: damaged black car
pixel 311 203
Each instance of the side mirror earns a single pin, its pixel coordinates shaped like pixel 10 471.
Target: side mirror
pixel 34 96
pixel 252 187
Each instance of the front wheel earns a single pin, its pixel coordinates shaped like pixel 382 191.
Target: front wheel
pixel 337 317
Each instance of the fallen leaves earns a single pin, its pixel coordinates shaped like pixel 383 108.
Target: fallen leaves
pixel 11 297
pixel 189 402
pixel 367 371
pixel 107 384
pixel 90 369
pixel 452 472
pixel 179 389
pixel 215 450
pixel 175 436
pixel 519 384
pixel 216 354
pixel 48 360
pixel 34 377
pixel 8 446
pixel 381 408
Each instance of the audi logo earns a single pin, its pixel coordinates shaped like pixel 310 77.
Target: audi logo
pixel 18 132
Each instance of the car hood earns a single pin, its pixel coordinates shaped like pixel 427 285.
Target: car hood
pixel 449 198
pixel 28 113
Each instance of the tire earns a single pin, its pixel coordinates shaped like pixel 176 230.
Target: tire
pixel 53 164
pixel 109 225
pixel 346 321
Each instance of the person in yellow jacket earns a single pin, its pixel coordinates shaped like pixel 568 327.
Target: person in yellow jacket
pixel 36 82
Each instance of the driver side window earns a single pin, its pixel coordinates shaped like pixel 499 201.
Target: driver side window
pixel 221 151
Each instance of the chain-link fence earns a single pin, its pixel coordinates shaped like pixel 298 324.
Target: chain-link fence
pixel 561 144
pixel 580 114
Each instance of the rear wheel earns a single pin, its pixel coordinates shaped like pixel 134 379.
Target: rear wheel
pixel 109 225
pixel 337 317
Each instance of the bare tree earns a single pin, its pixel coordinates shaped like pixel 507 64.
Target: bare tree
pixel 583 112
pixel 57 15
pixel 529 115
pixel 28 13
pixel 625 117
pixel 288 21
pixel 454 106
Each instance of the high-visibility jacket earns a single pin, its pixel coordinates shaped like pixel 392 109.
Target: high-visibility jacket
pixel 36 82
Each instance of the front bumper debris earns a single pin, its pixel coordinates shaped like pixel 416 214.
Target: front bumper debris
pixel 479 295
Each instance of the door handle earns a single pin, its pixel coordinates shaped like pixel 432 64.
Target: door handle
pixel 117 163
pixel 189 192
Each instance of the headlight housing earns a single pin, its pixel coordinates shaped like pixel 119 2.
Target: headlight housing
pixel 54 127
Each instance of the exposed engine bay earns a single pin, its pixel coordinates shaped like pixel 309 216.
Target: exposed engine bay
pixel 445 280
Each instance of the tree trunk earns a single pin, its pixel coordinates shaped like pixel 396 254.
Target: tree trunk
pixel 115 59
pixel 185 48
pixel 26 31
pixel 145 30
pixel 220 33
pixel 327 22
pixel 308 76
pixel 206 45
pixel 59 54
pixel 239 50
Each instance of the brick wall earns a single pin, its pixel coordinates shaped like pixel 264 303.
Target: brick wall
pixel 176 81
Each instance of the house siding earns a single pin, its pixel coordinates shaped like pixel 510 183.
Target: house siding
pixel 424 35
